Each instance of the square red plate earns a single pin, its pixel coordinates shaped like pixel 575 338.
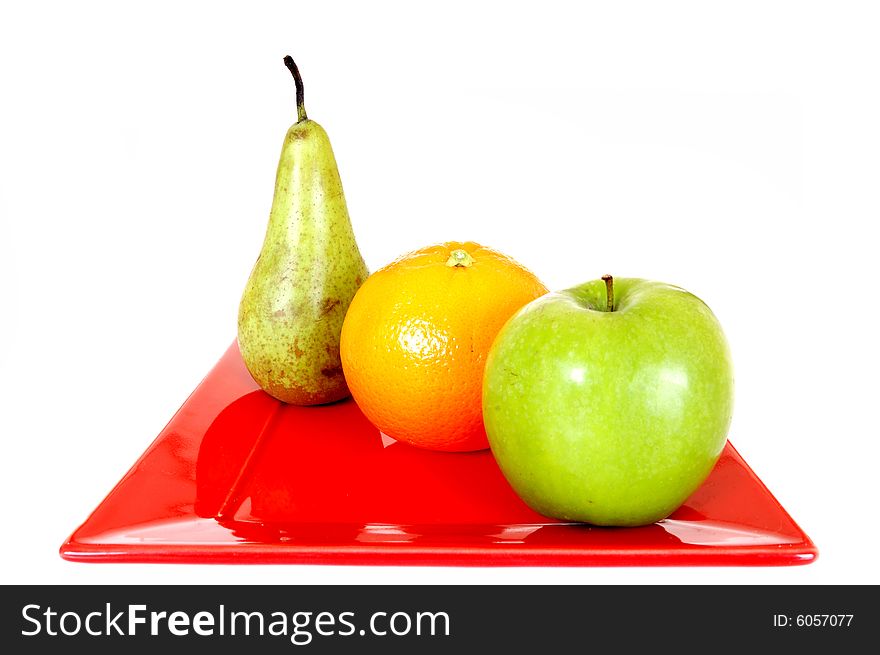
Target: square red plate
pixel 237 476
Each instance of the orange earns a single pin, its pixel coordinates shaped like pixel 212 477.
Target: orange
pixel 416 335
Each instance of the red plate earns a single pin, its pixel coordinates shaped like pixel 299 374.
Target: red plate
pixel 237 476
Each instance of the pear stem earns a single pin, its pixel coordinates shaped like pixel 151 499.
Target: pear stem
pixel 609 293
pixel 300 91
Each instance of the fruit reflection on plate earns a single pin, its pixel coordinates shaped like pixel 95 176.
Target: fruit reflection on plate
pixel 238 477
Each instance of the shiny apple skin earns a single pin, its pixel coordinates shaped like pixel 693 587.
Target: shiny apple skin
pixel 610 418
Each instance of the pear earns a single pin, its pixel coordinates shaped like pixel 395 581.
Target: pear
pixel 309 269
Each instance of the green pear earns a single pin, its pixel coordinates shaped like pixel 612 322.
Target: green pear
pixel 309 269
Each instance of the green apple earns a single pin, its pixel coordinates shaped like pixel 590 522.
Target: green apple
pixel 609 403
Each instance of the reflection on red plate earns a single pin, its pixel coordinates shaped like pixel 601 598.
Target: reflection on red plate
pixel 237 476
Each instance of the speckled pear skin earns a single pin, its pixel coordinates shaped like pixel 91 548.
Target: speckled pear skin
pixel 291 313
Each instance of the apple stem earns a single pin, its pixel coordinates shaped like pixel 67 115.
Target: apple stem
pixel 300 91
pixel 609 293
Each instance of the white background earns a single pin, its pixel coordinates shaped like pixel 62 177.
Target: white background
pixel 733 149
